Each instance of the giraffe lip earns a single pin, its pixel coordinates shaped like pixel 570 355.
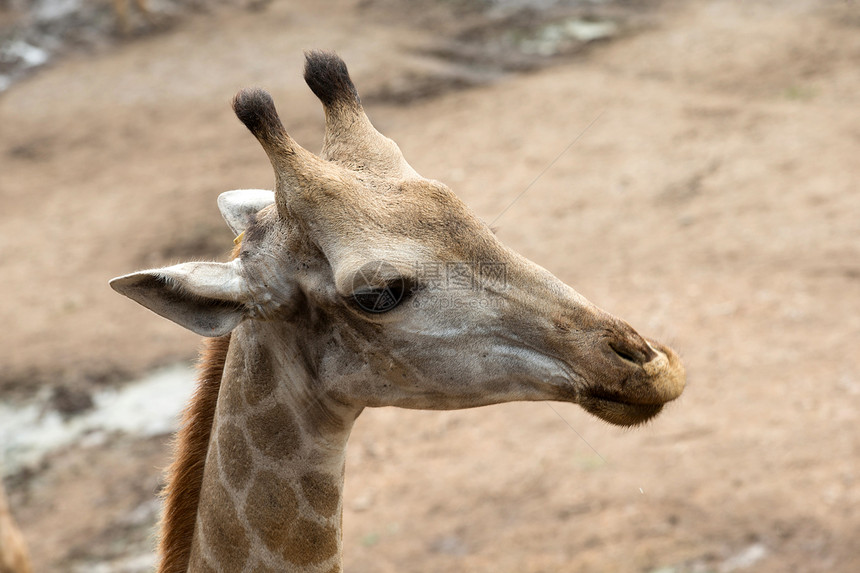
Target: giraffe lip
pixel 617 412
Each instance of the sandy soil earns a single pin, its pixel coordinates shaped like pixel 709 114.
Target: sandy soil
pixel 714 203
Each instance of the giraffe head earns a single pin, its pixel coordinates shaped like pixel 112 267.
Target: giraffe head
pixel 401 295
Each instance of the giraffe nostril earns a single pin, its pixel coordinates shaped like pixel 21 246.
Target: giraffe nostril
pixel 632 348
pixel 628 353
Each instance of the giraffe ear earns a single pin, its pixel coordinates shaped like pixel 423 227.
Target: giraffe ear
pixel 238 207
pixel 206 298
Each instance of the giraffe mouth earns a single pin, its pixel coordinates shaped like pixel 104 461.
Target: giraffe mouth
pixel 619 413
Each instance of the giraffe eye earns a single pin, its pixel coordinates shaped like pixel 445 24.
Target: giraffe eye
pixel 379 287
pixel 377 300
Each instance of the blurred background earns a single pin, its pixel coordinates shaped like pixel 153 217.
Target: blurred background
pixel 713 203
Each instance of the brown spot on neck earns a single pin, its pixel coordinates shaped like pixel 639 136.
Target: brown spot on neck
pixel 235 455
pixel 322 492
pixel 308 542
pixel 274 432
pixel 271 507
pixel 224 538
pixel 258 360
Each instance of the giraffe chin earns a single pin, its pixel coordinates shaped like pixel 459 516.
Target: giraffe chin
pixel 619 413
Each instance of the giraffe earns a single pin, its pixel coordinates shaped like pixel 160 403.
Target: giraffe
pixel 14 557
pixel 332 303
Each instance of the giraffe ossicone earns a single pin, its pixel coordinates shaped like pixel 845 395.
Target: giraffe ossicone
pixel 358 283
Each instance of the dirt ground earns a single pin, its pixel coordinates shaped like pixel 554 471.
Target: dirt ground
pixel 713 203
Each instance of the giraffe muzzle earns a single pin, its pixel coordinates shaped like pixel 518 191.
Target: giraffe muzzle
pixel 637 379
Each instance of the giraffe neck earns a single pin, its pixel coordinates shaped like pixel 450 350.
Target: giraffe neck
pixel 273 480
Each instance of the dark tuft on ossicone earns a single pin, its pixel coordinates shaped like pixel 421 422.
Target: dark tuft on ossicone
pixel 328 78
pixel 255 108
